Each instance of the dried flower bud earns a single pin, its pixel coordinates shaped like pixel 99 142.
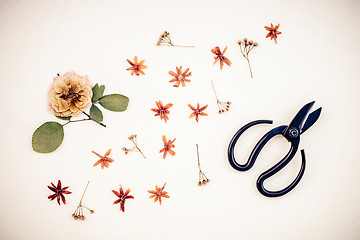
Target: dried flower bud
pixel 82 217
pixel 239 42
pixel 245 39
pixel 92 211
pixel 256 44
pixel 251 42
pixel 199 183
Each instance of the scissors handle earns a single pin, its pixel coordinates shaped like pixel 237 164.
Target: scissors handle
pixel 231 157
pixel 278 167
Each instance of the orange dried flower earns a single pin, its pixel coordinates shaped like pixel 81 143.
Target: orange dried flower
pixel 104 160
pixel 158 193
pixel 273 32
pixel 162 110
pixel 122 197
pixel 180 77
pixel 58 192
pixel 136 66
pixel 167 147
pixel 197 111
pixel 220 57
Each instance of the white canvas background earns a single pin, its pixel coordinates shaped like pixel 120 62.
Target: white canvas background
pixel 316 58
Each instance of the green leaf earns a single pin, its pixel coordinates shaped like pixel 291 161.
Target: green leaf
pixel 114 102
pixel 63 118
pixel 98 92
pixel 47 137
pixel 96 114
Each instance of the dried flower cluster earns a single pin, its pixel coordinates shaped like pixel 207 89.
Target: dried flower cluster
pixel 180 77
pixel 104 160
pixel 165 40
pixel 223 106
pixel 202 178
pixel 122 197
pixel 70 94
pixel 245 47
pixel 197 111
pixel 79 212
pixel 59 192
pixel 158 193
pixel 220 57
pixel 273 32
pixel 162 110
pixel 133 139
pixel 167 147
pixel 136 67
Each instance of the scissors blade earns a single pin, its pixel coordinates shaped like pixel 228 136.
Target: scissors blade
pixel 300 116
pixel 313 117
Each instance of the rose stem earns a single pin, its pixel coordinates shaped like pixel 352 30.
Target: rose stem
pixel 94 120
pixel 197 149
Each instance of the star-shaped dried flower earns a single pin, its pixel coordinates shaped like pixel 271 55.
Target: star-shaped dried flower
pixel 136 66
pixel 104 160
pixel 197 111
pixel 122 197
pixel 58 192
pixel 273 32
pixel 180 77
pixel 162 110
pixel 167 147
pixel 158 193
pixel 220 57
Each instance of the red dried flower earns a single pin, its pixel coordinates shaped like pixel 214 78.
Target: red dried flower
pixel 197 111
pixel 180 77
pixel 162 110
pixel 58 192
pixel 167 147
pixel 273 32
pixel 122 197
pixel 104 160
pixel 136 66
pixel 220 57
pixel 158 193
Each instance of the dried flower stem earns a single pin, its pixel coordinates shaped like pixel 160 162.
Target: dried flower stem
pixel 79 212
pixel 202 178
pixel 245 47
pixel 133 139
pixel 223 106
pixel 165 40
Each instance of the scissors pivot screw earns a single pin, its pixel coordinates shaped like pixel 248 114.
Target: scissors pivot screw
pixel 293 133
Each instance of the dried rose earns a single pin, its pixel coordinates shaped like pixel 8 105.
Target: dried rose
pixel 70 94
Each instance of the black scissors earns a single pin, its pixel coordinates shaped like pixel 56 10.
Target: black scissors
pixel 292 133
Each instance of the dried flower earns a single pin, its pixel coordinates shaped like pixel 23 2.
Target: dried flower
pixel 79 212
pixel 162 110
pixel 136 66
pixel 245 47
pixel 220 57
pixel 197 111
pixel 70 94
pixel 180 77
pixel 273 32
pixel 223 106
pixel 133 139
pixel 104 160
pixel 58 192
pixel 167 147
pixel 202 178
pixel 122 197
pixel 165 40
pixel 158 193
